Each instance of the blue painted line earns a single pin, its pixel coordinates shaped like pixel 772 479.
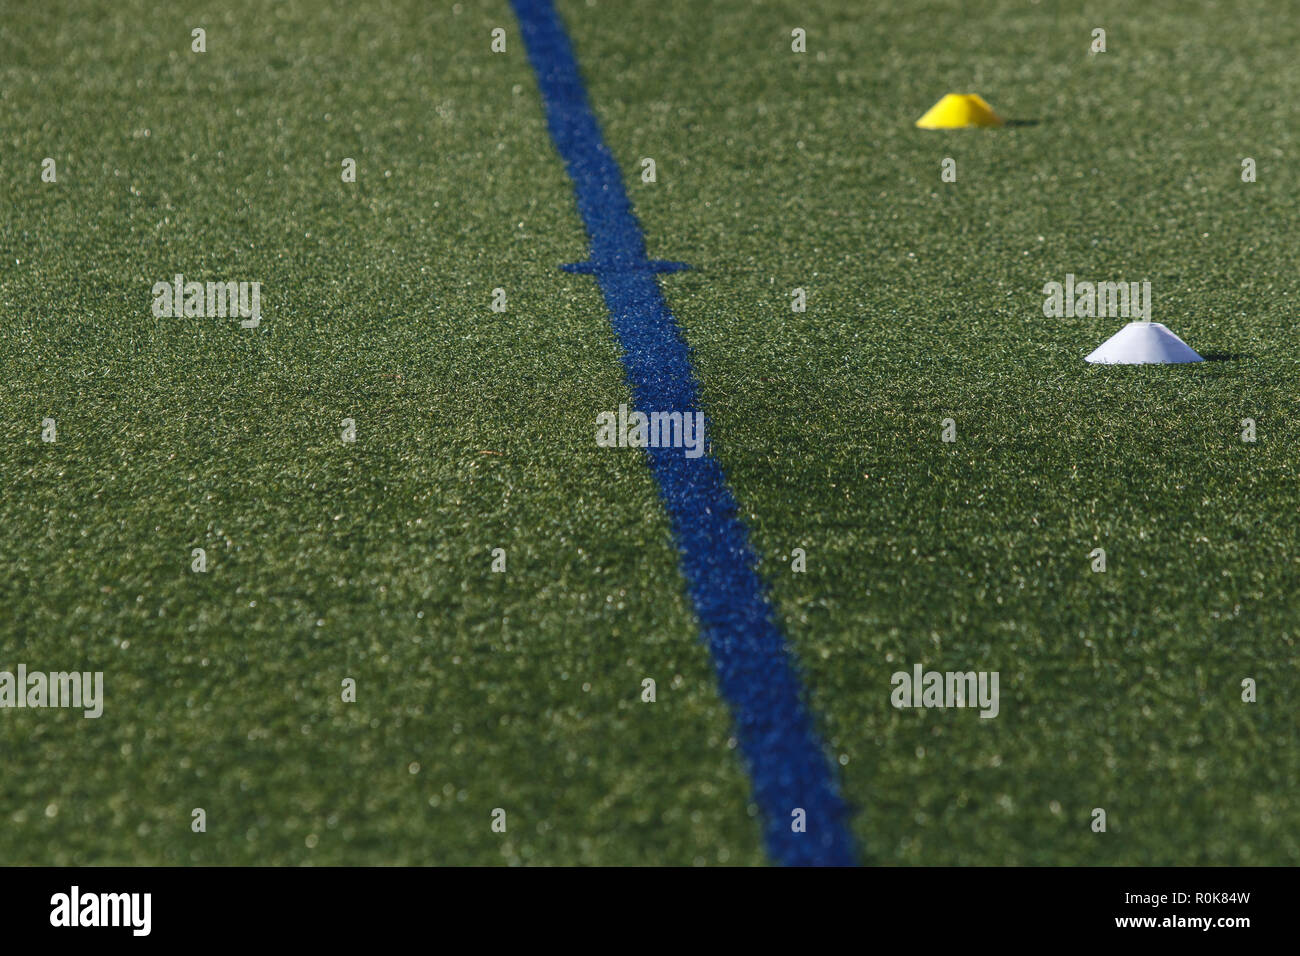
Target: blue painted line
pixel 756 674
pixel 656 265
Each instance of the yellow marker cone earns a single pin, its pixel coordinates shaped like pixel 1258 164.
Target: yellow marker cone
pixel 959 110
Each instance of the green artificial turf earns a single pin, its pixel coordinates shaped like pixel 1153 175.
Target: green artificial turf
pixel 475 431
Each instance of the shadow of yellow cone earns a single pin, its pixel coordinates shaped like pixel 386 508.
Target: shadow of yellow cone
pixel 959 110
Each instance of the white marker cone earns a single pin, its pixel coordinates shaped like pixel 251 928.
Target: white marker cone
pixel 1143 343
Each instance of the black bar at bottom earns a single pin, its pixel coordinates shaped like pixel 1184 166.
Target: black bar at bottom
pixel 336 906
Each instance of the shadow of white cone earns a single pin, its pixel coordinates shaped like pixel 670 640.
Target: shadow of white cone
pixel 1143 343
